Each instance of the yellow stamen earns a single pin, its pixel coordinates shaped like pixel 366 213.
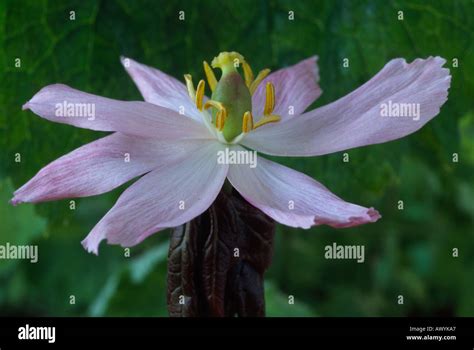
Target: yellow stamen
pixel 220 119
pixel 190 86
pixel 267 119
pixel 221 114
pixel 211 103
pixel 200 94
pixel 247 123
pixel 211 78
pixel 260 76
pixel 269 99
pixel 248 74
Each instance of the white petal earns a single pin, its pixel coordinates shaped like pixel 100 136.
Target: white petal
pixel 161 89
pixel 356 119
pixel 296 88
pixel 166 197
pixel 101 166
pixel 294 199
pixel 56 102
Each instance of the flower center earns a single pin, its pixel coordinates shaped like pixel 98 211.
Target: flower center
pixel 231 100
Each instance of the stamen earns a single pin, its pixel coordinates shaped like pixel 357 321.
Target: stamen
pixel 260 76
pixel 221 114
pixel 247 122
pixel 269 99
pixel 211 78
pixel 200 94
pixel 248 74
pixel 267 119
pixel 211 103
pixel 190 86
pixel 220 119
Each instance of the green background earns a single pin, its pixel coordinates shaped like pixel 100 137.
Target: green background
pixel 408 252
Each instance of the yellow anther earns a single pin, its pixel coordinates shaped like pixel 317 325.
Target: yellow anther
pixel 190 86
pixel 260 76
pixel 211 78
pixel 217 105
pixel 248 74
pixel 247 122
pixel 269 99
pixel 200 94
pixel 267 119
pixel 221 116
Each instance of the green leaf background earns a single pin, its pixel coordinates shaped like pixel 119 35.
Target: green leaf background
pixel 408 252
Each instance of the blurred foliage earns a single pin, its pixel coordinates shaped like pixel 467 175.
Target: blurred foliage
pixel 408 252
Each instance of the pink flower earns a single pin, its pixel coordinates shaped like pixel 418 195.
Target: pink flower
pixel 174 141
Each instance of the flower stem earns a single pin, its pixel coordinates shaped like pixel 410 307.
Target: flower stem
pixel 217 261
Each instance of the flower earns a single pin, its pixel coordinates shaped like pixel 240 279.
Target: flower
pixel 174 138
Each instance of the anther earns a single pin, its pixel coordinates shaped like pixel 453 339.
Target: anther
pixel 247 122
pixel 269 99
pixel 267 119
pixel 200 94
pixel 190 86
pixel 248 74
pixel 211 78
pixel 221 116
pixel 217 105
pixel 260 76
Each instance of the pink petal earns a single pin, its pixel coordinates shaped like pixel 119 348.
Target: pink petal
pixel 296 87
pixel 160 88
pixel 294 199
pixel 168 196
pixel 101 166
pixel 355 120
pixel 104 114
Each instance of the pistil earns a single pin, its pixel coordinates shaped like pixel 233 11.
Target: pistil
pixel 231 100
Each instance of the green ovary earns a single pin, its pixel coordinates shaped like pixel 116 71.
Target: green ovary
pixel 232 92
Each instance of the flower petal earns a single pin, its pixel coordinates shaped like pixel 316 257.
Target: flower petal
pixel 356 120
pixel 101 166
pixel 168 196
pixel 160 88
pixel 63 104
pixel 296 88
pixel 294 199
